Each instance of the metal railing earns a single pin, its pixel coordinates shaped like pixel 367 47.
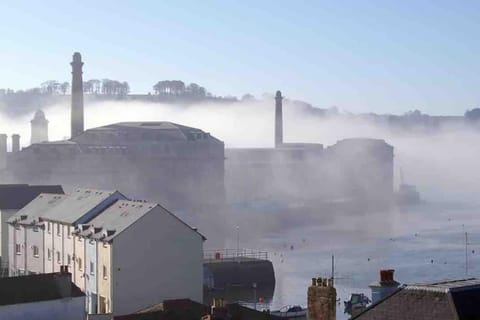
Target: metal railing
pixel 233 254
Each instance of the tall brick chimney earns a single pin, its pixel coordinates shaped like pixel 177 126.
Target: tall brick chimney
pixel 77 96
pixel 322 300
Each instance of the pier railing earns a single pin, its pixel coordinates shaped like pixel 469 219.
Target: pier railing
pixel 233 254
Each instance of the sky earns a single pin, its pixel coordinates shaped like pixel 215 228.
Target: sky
pixel 361 56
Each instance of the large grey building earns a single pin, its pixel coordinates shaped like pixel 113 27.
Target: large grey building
pixel 352 171
pixel 189 171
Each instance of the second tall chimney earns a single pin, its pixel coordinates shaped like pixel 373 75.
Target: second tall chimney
pixel 278 120
pixel 77 95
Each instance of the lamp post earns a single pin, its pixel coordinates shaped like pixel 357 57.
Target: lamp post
pixel 254 286
pixel 238 241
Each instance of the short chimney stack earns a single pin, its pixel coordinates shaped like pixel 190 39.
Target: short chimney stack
pixel 386 286
pixel 322 299
pixel 15 142
pixel 3 151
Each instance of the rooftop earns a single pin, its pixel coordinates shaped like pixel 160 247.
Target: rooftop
pixel 31 213
pixel 442 300
pixel 77 204
pixel 17 196
pixel 35 288
pixel 121 215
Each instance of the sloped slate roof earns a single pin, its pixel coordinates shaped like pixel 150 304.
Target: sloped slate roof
pixel 34 209
pixel 444 300
pixel 76 205
pixel 16 196
pixel 121 215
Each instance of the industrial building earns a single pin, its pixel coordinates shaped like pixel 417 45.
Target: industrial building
pixel 190 171
pixel 355 170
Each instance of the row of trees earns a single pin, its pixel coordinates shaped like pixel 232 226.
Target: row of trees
pixel 177 88
pixel 106 87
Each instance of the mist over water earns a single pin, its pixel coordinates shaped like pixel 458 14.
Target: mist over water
pixel 442 164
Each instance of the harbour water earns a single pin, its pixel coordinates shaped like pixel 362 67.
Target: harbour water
pixel 422 243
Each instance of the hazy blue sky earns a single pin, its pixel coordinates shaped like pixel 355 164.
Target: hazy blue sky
pixel 379 56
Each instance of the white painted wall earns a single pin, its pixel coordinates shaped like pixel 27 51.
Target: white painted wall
pixel 48 245
pixel 34 238
pixel 17 261
pixel 67 308
pixel 5 214
pixel 155 259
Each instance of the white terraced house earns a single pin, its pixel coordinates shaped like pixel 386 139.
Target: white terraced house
pixel 125 255
pixel 40 239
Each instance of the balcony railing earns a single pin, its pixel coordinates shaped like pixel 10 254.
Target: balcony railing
pixel 234 254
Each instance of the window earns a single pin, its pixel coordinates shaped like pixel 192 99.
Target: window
pixel 92 268
pixel 35 251
pixel 18 248
pixel 80 264
pixel 104 271
pixel 69 232
pixel 49 254
pixel 69 259
pixel 17 227
pixel 58 229
pixel 35 229
pixel 59 257
pixel 49 227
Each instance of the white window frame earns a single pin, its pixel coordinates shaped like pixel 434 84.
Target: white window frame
pixel 59 257
pixel 49 254
pixel 36 251
pixel 92 268
pixel 104 270
pixel 18 249
pixel 59 230
pixel 80 264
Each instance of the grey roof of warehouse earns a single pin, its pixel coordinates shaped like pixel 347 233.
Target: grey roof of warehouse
pixel 119 216
pixel 16 196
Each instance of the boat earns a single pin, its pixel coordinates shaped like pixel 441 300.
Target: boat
pixel 357 302
pixel 291 312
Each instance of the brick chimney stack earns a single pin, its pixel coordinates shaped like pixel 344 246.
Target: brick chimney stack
pixel 386 286
pixel 322 300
